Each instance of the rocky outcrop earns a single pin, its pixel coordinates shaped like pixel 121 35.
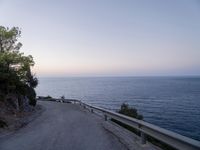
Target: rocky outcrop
pixel 16 103
pixel 11 106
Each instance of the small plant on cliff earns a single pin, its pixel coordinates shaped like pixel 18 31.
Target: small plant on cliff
pixel 130 111
pixel 15 68
pixel 48 97
pixel 62 97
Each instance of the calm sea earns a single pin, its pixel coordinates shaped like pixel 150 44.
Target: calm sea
pixel 169 102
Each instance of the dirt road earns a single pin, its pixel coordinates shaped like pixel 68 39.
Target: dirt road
pixel 62 126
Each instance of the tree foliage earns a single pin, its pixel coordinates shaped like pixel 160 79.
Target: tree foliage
pixel 15 67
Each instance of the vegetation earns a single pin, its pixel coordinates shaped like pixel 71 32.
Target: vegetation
pixel 129 111
pixel 62 97
pixel 47 97
pixel 15 68
pixel 132 112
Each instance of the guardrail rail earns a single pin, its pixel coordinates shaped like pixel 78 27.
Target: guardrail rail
pixel 168 137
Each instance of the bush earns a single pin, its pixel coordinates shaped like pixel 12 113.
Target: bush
pixel 129 111
pixel 47 97
pixel 62 97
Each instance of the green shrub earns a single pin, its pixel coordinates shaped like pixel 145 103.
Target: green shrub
pixel 62 97
pixel 47 97
pixel 129 111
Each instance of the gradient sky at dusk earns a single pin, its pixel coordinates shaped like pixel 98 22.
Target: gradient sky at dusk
pixel 108 37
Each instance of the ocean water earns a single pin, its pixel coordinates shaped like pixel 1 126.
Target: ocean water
pixel 169 102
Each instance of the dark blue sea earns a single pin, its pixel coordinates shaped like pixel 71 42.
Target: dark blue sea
pixel 169 102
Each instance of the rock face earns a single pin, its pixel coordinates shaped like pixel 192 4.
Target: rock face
pixel 11 103
pixel 11 106
pixel 16 103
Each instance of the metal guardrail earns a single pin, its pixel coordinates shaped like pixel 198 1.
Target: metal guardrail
pixel 173 139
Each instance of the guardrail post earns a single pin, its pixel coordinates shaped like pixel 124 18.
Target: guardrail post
pixel 143 138
pixel 105 117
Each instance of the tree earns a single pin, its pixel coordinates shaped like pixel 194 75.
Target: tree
pixel 15 67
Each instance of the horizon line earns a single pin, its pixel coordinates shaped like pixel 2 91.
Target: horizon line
pixel 117 76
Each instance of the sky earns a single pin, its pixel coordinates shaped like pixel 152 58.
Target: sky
pixel 108 37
